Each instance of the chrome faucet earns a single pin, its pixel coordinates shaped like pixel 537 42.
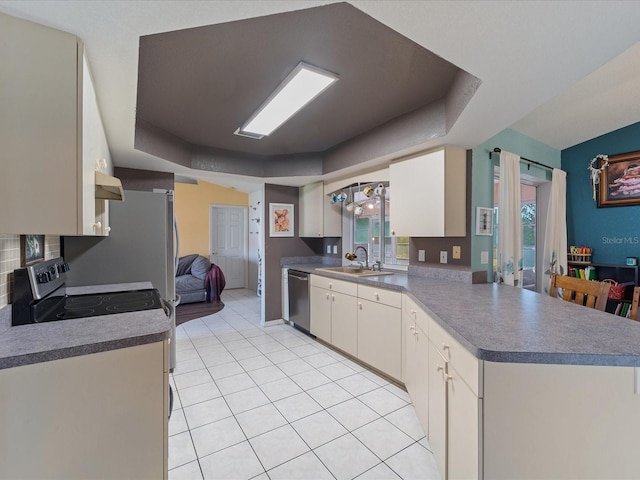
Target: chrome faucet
pixel 352 256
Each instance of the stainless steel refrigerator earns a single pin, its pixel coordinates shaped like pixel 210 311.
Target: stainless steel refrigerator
pixel 142 246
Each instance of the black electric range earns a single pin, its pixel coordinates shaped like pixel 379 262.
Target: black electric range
pixel 40 296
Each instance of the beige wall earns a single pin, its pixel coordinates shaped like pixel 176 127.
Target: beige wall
pixel 192 212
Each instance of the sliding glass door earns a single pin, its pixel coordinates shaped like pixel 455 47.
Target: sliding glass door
pixel 528 208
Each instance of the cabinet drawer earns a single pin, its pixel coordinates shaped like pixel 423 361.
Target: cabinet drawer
pixel 340 286
pixel 463 361
pixel 415 313
pixel 380 295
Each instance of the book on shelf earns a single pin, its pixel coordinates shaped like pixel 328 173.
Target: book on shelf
pixel 623 309
pixel 582 273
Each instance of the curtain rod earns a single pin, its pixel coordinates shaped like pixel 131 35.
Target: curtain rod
pixel 498 150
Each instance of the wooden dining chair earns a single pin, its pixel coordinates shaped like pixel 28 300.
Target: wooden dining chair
pixel 588 293
pixel 634 304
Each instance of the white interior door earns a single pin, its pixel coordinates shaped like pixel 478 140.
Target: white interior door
pixel 229 243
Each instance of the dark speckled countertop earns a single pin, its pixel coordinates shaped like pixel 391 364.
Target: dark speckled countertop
pixel 42 342
pixel 500 323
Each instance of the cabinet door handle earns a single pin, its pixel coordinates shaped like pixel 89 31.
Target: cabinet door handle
pixel 446 347
pixel 327 296
pixel 360 305
pixel 97 226
pixel 333 298
pixel 448 378
pixel 413 314
pixel 440 368
pixel 375 294
pixel 412 327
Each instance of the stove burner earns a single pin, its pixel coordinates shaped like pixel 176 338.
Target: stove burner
pixel 96 304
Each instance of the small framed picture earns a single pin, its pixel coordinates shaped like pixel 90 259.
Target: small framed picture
pixel 31 249
pixel 484 221
pixel 281 220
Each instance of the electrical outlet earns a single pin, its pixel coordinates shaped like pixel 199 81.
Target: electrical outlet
pixel 443 256
pixel 455 253
pixel 484 257
pixel 328 248
pixel 421 255
pixel 335 249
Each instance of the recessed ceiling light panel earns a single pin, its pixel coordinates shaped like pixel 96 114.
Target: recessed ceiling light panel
pixel 300 87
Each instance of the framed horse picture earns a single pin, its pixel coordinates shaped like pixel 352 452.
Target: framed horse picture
pixel 620 180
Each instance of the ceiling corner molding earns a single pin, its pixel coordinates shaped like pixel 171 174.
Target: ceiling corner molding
pixel 412 129
pixel 463 88
pixel 152 140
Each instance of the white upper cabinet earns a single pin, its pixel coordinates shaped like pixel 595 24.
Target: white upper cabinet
pixel 51 134
pixel 429 194
pixel 318 217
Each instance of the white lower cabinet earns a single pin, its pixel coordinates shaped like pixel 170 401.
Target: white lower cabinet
pixel 453 426
pixel 363 321
pixel 344 323
pixel 380 337
pixel 320 307
pixel 416 354
pixel 99 416
pixel 437 404
pixel 390 332
pixel 333 306
pixel 463 429
pixel 560 421
pixel 447 402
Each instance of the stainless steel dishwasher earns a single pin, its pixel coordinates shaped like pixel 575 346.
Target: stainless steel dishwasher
pixel 299 313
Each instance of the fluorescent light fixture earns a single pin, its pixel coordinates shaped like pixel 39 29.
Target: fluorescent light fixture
pixel 301 86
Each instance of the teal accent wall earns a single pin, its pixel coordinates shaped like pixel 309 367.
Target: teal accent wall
pixel 612 232
pixel 482 181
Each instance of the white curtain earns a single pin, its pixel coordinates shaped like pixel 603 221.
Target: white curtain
pixel 555 240
pixel 509 221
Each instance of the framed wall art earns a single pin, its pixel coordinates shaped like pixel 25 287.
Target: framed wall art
pixel 620 181
pixel 281 220
pixel 31 249
pixel 484 221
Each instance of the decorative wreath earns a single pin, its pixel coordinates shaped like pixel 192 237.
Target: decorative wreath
pixel 595 170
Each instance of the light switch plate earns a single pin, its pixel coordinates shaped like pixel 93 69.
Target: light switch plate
pixel 335 249
pixel 443 256
pixel 455 253
pixel 328 248
pixel 421 255
pixel 484 257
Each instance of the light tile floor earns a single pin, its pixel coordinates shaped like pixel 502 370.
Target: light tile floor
pixel 272 403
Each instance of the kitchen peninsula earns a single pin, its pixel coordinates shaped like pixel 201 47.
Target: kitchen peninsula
pixel 509 383
pixel 85 397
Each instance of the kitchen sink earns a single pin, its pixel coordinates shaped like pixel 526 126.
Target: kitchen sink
pixel 354 271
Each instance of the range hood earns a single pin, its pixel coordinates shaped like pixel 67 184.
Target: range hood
pixel 108 187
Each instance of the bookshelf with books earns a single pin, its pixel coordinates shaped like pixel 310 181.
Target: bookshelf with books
pixel 626 275
pixel 580 266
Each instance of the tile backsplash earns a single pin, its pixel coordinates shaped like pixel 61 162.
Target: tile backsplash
pixel 10 260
